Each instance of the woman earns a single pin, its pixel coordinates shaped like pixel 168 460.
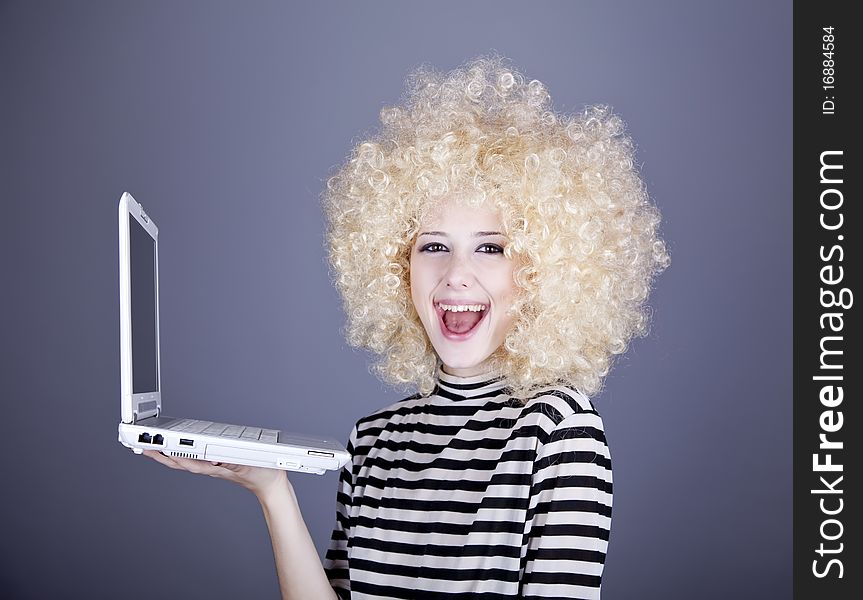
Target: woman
pixel 496 255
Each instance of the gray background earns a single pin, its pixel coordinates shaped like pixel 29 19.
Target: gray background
pixel 224 120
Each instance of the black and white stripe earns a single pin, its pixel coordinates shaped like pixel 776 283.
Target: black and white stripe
pixel 468 494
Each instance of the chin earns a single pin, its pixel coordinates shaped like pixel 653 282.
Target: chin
pixel 460 361
pixel 461 364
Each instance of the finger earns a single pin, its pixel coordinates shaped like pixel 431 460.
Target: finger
pixel 182 464
pixel 161 458
pixel 192 465
pixel 200 467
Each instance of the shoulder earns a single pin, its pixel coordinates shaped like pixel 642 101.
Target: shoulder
pixel 370 426
pixel 559 402
pixel 562 411
pixel 572 441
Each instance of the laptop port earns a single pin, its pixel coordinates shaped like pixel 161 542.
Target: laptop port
pixel 320 453
pixel 185 442
pixel 158 439
pixel 145 438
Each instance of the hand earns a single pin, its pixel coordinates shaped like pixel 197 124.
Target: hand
pixel 258 480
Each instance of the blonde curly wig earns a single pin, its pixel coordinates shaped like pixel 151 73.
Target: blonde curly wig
pixel 580 226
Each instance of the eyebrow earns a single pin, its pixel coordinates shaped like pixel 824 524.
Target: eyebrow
pixel 475 234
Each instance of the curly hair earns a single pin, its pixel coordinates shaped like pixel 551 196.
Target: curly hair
pixel 580 226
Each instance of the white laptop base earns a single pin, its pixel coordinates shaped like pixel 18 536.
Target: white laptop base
pixel 252 446
pixel 142 426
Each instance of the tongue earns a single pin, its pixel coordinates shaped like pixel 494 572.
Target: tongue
pixel 460 322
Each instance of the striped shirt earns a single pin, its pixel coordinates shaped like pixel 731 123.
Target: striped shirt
pixel 470 494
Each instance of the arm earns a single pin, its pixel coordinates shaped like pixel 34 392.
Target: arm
pixel 301 575
pixel 569 515
pixel 337 564
pixel 300 572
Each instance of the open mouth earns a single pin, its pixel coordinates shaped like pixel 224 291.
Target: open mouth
pixel 460 324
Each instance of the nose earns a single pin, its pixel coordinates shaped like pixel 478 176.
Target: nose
pixel 458 273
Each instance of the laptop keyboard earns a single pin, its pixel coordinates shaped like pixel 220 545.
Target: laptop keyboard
pixel 253 434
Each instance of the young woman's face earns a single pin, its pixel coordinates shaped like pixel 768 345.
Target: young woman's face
pixel 462 285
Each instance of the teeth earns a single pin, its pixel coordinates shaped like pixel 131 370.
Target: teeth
pixel 462 307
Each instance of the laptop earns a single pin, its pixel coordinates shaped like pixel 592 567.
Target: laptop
pixel 143 425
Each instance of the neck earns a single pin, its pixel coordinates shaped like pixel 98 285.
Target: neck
pixel 457 387
pixel 468 371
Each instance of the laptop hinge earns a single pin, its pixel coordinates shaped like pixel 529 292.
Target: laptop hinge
pixel 145 410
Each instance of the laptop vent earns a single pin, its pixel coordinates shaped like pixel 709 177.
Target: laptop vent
pixel 184 454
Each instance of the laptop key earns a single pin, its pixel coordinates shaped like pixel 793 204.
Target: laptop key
pixel 215 429
pixel 197 426
pixel 233 431
pixel 251 433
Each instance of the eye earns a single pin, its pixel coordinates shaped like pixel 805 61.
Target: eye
pixel 490 249
pixel 433 247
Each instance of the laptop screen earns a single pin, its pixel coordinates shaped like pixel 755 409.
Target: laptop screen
pixel 142 257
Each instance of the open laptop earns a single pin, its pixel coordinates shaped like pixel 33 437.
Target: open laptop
pixel 143 426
